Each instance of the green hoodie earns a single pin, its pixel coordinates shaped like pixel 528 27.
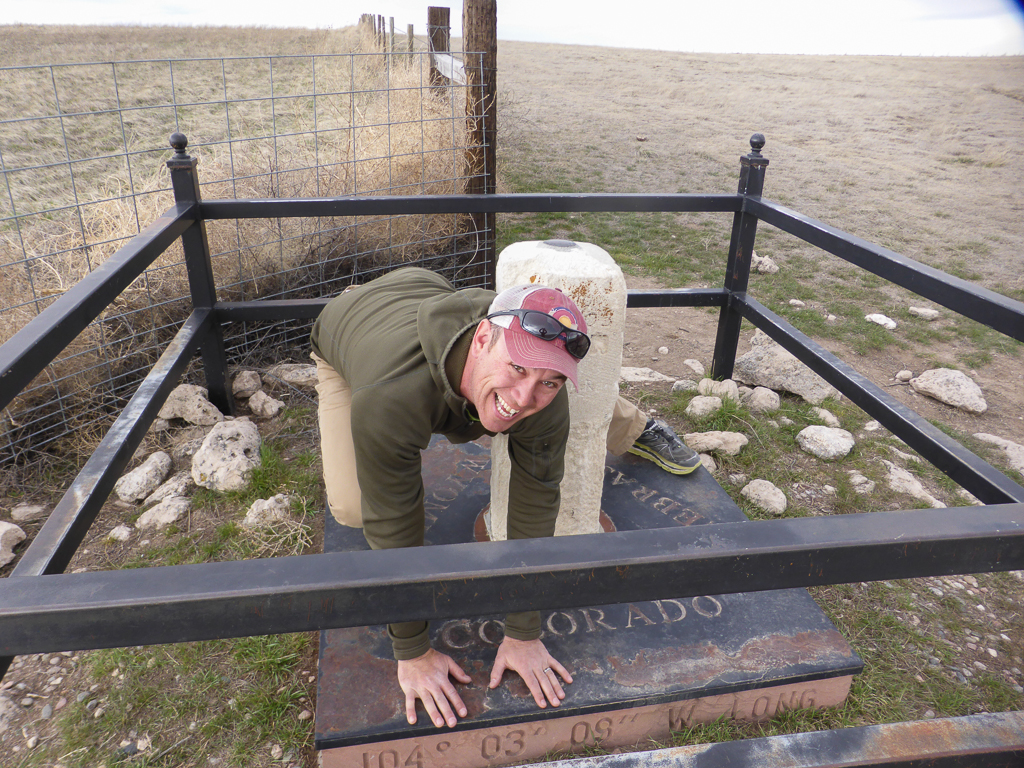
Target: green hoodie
pixel 401 341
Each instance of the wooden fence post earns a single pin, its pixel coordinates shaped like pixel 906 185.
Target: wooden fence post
pixel 411 39
pixel 480 42
pixel 439 38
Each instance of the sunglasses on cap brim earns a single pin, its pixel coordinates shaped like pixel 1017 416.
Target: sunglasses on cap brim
pixel 544 326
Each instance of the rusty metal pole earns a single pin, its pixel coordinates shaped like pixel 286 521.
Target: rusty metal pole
pixel 480 41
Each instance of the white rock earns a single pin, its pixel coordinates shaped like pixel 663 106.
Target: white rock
pixel 830 318
pixel 763 400
pixel 120 533
pixel 861 484
pixel 903 482
pixel 662 350
pixel 879 319
pixel 826 416
pixel 180 484
pixel 738 478
pixel 769 365
pixel 766 496
pixel 904 375
pixel 825 442
pixel 263 512
pixel 703 405
pixel 763 264
pixel 684 385
pixel 708 462
pixel 642 376
pixel 265 406
pixel 952 388
pixel 191 403
pixel 24 513
pixel 729 443
pixel 797 303
pixel 10 537
pixel 723 389
pixel 903 454
pixel 925 313
pixel 144 479
pixel 872 426
pixel 786 421
pixel 227 456
pixel 1014 451
pixel 163 514
pixel 696 366
pixel 292 374
pixel 246 384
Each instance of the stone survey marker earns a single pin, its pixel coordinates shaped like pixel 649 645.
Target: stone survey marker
pixel 640 669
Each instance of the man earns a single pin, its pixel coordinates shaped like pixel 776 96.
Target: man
pixel 407 356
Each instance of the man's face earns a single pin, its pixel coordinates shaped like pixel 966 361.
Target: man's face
pixel 502 392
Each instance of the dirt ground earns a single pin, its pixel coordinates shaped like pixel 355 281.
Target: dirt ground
pixel 915 154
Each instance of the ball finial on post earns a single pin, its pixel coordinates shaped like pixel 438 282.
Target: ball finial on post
pixel 757 143
pixel 178 142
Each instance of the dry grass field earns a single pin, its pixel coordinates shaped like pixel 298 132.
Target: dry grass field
pixel 913 154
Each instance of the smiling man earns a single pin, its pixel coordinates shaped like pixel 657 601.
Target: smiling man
pixel 408 356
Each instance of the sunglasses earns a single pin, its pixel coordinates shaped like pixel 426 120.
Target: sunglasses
pixel 544 326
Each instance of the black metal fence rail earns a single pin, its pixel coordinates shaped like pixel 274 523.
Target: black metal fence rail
pixel 41 610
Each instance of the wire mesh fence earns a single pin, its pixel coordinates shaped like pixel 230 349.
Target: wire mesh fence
pixel 82 158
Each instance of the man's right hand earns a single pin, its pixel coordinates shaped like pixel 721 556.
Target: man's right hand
pixel 426 678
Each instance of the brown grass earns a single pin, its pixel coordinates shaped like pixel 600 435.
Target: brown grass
pixel 370 129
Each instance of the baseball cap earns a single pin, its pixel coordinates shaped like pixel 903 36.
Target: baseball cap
pixel 523 347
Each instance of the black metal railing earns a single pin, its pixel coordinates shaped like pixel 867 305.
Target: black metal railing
pixel 195 602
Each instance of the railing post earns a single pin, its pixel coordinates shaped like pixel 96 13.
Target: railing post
pixel 185 183
pixel 737 271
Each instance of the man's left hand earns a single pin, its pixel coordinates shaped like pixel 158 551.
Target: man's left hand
pixel 538 668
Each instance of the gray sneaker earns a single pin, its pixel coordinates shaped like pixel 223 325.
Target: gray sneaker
pixel 662 445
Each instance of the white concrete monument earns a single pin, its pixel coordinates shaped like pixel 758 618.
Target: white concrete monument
pixel 594 281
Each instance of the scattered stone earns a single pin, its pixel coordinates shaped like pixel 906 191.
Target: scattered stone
pixel 827 416
pixel 246 384
pixel 769 365
pixel 24 513
pixel 1014 451
pixel 729 443
pixel 180 484
pixel 305 715
pixel 722 389
pixel 163 514
pixel 738 478
pixel 925 313
pixel 825 442
pixel 98 713
pixel 684 385
pixel 227 456
pixel 276 752
pixel 47 712
pixel 797 303
pixel 860 483
pixel 265 406
pixel 696 366
pixel 185 443
pixel 120 533
pixel 27 702
pixel 929 714
pixel 642 376
pixel 191 403
pixel 144 479
pixel 708 462
pixel 904 375
pixel 886 322
pixel 902 481
pixel 872 426
pixel 830 318
pixel 951 387
pixel 662 350
pixel 298 375
pixel 10 537
pixel 764 264
pixel 786 421
pixel 906 457
pixel 766 496
pixel 702 406
pixel 763 400
pixel 264 512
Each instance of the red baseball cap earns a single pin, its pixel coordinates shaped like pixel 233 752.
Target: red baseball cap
pixel 528 350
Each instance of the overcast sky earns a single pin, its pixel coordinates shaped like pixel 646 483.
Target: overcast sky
pixel 894 27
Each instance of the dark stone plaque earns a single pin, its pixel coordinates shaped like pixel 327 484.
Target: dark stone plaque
pixel 621 656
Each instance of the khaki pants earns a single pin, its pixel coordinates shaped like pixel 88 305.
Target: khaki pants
pixel 338 449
